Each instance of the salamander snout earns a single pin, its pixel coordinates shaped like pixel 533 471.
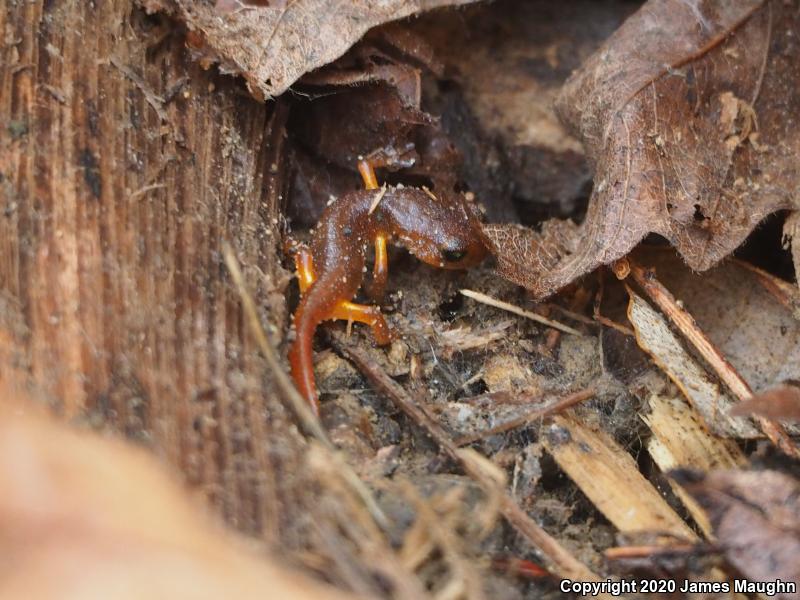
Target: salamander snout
pixel 448 236
pixel 462 255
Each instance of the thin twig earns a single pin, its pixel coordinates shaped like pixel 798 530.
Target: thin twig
pixel 512 308
pixel 662 297
pixel 786 293
pixel 622 552
pixel 378 197
pixel 561 561
pixel 614 325
pixel 528 418
pixel 463 577
pixel 577 302
pixel 289 393
pixel 571 314
pixel 598 303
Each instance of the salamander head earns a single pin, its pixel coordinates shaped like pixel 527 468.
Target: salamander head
pixel 443 232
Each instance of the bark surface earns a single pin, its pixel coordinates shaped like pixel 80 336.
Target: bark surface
pixel 123 167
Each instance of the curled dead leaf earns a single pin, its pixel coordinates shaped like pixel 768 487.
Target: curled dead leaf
pixel 664 109
pixel 272 44
pixel 756 520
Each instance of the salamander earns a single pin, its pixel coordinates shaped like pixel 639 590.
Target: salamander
pixel 443 231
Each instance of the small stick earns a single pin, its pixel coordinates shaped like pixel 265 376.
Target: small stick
pixel 463 576
pixel 786 293
pixel 614 325
pixel 700 341
pixel 295 402
pixel 598 320
pixel 553 336
pixel 598 303
pixel 378 197
pixel 621 552
pixel 430 193
pixel 578 300
pixel 512 308
pixel 528 418
pixel 148 188
pixel 562 562
pixel 571 314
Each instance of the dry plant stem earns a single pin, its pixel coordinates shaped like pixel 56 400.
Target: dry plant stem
pixel 578 301
pixel 484 299
pixel 294 400
pixel 598 302
pixel 571 314
pixel 559 560
pixel 614 325
pixel 724 370
pixel 621 552
pixel 463 575
pixel 785 293
pixel 528 418
pixel 553 336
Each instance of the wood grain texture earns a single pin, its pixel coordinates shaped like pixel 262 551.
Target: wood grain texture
pixel 122 168
pixel 680 440
pixel 609 477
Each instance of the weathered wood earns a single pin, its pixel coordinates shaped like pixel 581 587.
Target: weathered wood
pixel 680 440
pixel 123 166
pixel 610 478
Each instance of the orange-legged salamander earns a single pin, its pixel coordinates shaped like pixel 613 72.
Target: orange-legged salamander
pixel 442 232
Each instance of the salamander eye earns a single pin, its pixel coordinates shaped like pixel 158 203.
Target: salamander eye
pixel 453 256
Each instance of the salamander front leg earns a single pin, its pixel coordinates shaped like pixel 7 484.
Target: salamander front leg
pixel 376 288
pixel 384 157
pixel 366 167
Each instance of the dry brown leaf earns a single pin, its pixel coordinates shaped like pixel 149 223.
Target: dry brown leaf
pixel 272 44
pixel 685 114
pixel 756 520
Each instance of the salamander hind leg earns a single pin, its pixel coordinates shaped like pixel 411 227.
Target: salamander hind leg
pixel 369 315
pixel 306 318
pixel 304 264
